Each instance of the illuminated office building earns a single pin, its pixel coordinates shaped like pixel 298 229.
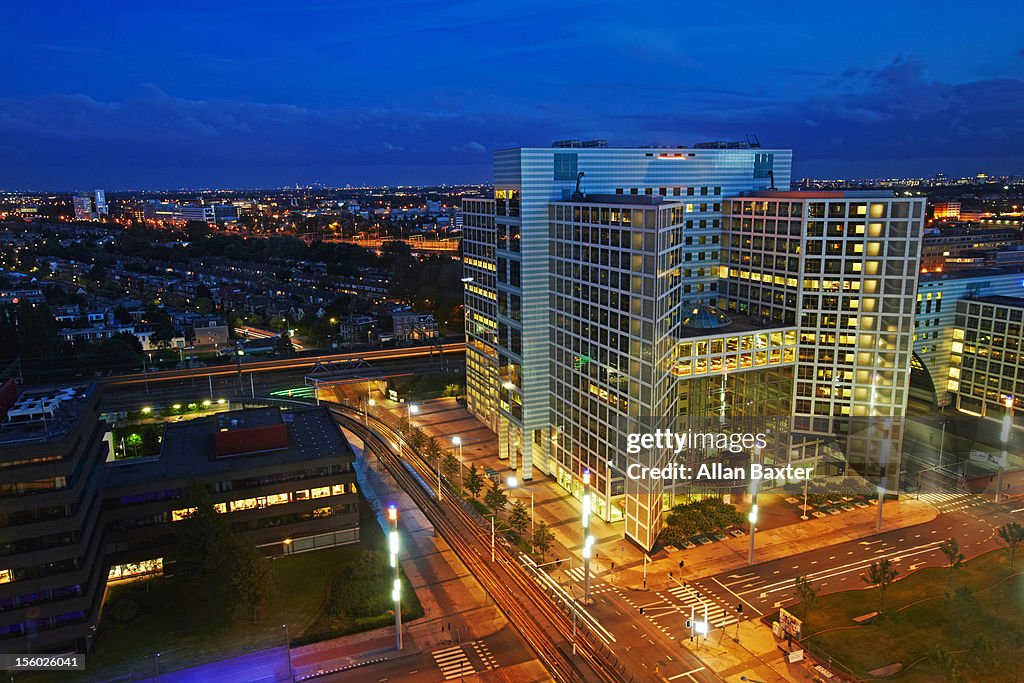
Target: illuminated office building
pixel 606 285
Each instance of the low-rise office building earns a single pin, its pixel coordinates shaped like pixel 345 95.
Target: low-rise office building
pixel 52 570
pixel 286 480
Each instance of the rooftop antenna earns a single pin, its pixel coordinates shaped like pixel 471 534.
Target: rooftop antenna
pixel 577 196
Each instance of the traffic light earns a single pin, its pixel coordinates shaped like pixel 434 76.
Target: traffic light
pixel 670 575
pixel 739 608
pixel 689 624
pixel 641 610
pixel 681 563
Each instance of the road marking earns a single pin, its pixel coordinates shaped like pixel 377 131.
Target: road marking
pixel 856 565
pixel 737 596
pixel 672 678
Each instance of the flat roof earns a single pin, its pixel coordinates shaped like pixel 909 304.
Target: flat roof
pixel 622 199
pixel 61 405
pixel 816 194
pixel 1000 299
pixel 968 273
pixel 738 324
pixel 188 447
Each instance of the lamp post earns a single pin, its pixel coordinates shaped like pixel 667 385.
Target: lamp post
pixel 396 590
pixel 413 409
pixel 588 540
pixel 457 441
pixel 366 411
pixel 514 483
pixel 884 462
pixel 288 644
pixel 752 516
pixel 806 484
pixel 1004 437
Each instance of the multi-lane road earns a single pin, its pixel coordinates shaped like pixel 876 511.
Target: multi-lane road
pixel 279 364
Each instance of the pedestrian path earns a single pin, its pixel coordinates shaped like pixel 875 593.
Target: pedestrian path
pixel 578 576
pixel 453 662
pixel 690 599
pixel 952 501
pixel 485 655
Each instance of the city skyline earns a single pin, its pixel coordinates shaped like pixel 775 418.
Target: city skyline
pixel 402 94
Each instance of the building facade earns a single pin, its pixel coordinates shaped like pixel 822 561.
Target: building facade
pixel 653 282
pixel 90 206
pixel 514 344
pixel 52 569
pixel 986 368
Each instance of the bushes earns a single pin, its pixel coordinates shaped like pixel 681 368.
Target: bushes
pixel 124 610
pixel 363 592
pixel 697 517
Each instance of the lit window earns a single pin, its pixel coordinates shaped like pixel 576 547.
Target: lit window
pixel 6 576
pixel 277 499
pixel 320 492
pixel 302 495
pixel 322 512
pixel 184 513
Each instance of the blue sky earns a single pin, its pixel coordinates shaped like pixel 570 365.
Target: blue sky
pixel 264 94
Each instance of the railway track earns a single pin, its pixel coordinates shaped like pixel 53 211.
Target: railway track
pixel 544 625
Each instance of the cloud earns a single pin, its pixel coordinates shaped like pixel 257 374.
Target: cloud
pixel 472 146
pixel 892 112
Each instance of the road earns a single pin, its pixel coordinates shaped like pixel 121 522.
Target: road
pixel 765 587
pixel 448 662
pixel 278 364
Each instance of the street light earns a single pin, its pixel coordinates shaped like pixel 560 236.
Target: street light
pixel 413 409
pixel 457 441
pixel 1004 437
pixel 752 516
pixel 514 483
pixel 588 540
pixel 288 644
pixel 396 590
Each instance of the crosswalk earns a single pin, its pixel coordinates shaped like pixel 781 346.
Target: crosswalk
pixel 454 662
pixel 577 576
pixel 689 598
pixel 485 655
pixel 951 501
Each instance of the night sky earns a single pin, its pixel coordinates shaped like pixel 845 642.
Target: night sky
pixel 136 95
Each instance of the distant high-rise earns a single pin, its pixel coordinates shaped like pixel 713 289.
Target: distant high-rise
pixel 90 206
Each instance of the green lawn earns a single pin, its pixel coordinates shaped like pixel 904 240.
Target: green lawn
pixel 169 621
pixel 984 633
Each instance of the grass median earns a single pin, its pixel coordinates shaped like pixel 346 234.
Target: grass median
pixel 941 627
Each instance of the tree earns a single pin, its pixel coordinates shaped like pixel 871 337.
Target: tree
pixel 1012 534
pixel 417 439
pixel 951 549
pixel 134 443
pixel 205 545
pixel 122 315
pixel 945 663
pixel 519 518
pixel 495 498
pixel 880 574
pixel 542 538
pixel 252 578
pixel 432 450
pixel 474 482
pixel 450 465
pixel 806 591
